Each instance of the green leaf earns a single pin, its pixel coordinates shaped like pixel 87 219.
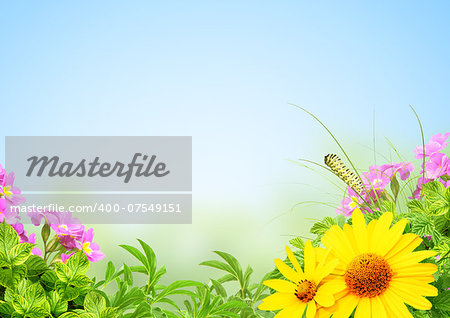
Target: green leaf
pixel 422 225
pixel 4 260
pixel 45 232
pixel 36 312
pixel 35 265
pixel 8 238
pixel 109 312
pixel 65 291
pixel 78 263
pixel 395 186
pixel 57 305
pixel 132 296
pixel 321 227
pixel 174 289
pixel 63 272
pixel 138 254
pixel 20 253
pixel 127 275
pixel 298 243
pixel 389 206
pixel 69 315
pixel 49 278
pixel 80 281
pixel 94 303
pixel 10 277
pixel 150 256
pixel 437 197
pixel 417 206
pixel 35 295
pixel 340 220
pixel 220 290
pixel 20 304
pixel 110 270
pixel 442 301
pixel 6 309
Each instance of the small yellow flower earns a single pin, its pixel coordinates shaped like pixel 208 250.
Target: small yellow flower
pixel 304 290
pixel 378 270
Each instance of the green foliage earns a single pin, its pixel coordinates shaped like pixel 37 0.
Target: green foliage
pixel 437 198
pixel 32 288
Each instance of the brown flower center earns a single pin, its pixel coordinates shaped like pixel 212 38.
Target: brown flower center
pixel 306 290
pixel 368 275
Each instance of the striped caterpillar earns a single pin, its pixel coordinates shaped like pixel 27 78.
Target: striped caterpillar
pixel 345 174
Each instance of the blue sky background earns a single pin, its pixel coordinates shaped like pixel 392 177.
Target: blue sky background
pixel 224 72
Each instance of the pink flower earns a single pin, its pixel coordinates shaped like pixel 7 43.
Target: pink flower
pixel 11 193
pixel 24 238
pixel 65 257
pixel 436 166
pixel 68 230
pixel 91 249
pixel 418 192
pixel 2 175
pixel 403 168
pixel 375 180
pixel 68 234
pixel 52 217
pixel 348 205
pixel 32 240
pixel 436 144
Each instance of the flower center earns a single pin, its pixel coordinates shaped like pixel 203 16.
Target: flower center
pixel 87 248
pixel 368 275
pixel 7 191
pixel 306 290
pixel 354 203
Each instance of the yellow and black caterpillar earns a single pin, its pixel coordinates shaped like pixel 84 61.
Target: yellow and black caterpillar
pixel 345 174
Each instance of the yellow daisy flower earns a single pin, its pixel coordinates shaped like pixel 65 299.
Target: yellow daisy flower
pixel 378 271
pixel 304 290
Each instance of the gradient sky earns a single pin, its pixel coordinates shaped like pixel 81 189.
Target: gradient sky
pixel 224 73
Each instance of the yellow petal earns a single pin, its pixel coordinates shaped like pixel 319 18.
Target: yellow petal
pixel 293 260
pixel 418 287
pixel 281 285
pixel 295 310
pixel 364 309
pixel 348 231
pixel 370 230
pixel 309 259
pixel 323 270
pixel 380 231
pixel 323 313
pixel 393 236
pixel 406 244
pixel 335 239
pixel 334 286
pixel 360 231
pixel 324 298
pixel 345 306
pixel 417 270
pixel 394 305
pixel 411 298
pixel 278 301
pixel 410 259
pixel 378 309
pixel 311 309
pixel 287 272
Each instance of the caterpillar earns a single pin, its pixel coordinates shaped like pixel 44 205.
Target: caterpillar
pixel 345 174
